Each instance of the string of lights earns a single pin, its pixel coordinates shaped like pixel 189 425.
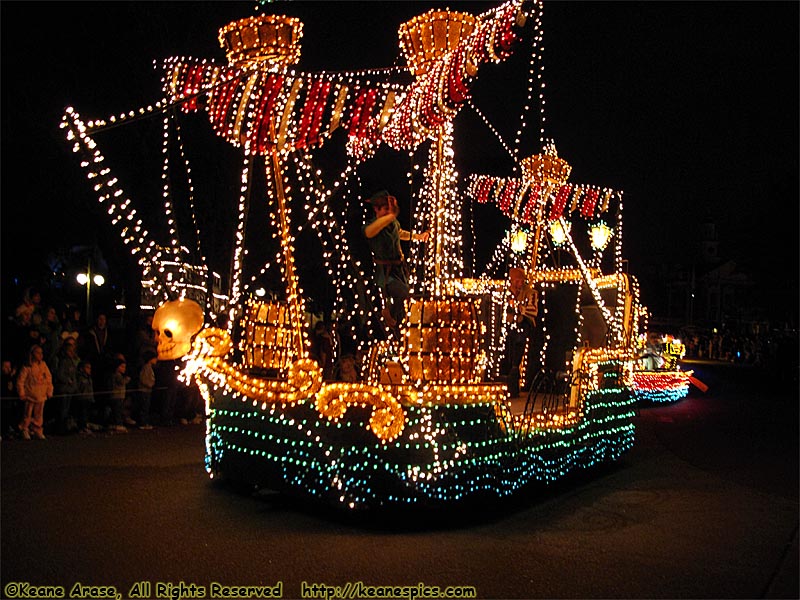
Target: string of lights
pixel 429 423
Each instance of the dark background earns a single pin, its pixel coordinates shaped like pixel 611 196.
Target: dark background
pixel 689 108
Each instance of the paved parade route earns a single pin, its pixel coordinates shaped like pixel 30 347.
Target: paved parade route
pixel 704 506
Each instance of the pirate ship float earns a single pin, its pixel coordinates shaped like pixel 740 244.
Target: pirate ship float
pixel 427 424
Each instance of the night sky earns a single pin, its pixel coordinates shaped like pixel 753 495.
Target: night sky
pixel 690 108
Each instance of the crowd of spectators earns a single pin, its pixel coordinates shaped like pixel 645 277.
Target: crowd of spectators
pixel 63 376
pixel 767 349
pixel 98 379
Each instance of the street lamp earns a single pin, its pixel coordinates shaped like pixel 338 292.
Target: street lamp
pixel 87 279
pixel 83 279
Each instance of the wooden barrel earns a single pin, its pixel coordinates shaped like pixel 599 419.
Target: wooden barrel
pixel 267 336
pixel 443 340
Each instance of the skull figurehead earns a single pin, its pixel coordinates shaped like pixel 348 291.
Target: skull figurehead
pixel 175 323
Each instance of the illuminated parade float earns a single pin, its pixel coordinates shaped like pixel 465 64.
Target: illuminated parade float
pixel 430 421
pixel 658 376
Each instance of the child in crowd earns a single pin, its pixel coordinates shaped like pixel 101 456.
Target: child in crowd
pixel 118 385
pixel 147 380
pixel 34 386
pixel 84 397
pixel 10 402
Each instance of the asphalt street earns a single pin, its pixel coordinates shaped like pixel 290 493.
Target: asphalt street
pixel 704 506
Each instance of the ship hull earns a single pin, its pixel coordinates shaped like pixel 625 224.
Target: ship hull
pixel 445 454
pixel 660 387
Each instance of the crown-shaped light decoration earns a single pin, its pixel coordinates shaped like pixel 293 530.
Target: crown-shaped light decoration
pixel 270 39
pixel 429 36
pixel 546 167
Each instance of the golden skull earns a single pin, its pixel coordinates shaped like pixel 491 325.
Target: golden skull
pixel 175 323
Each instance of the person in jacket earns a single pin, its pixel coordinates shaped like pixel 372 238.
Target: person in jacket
pixel 66 382
pixel 50 338
pixel 147 381
pixel 384 234
pixel 84 398
pixel 34 386
pixel 118 383
pixel 10 404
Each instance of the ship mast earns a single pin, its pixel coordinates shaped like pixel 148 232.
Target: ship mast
pixel 548 172
pixel 425 40
pixel 271 43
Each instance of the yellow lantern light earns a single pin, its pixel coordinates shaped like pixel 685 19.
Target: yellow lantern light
pixel 558 234
pixel 600 234
pixel 519 240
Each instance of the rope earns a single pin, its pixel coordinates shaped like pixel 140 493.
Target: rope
pixel 94 394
